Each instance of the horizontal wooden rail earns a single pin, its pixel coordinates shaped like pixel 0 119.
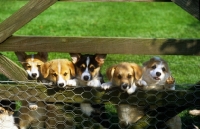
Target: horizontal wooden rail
pixel 102 45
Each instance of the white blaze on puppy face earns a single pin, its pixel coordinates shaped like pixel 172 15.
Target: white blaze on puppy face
pixel 86 74
pixel 158 71
pixel 32 68
pixel 58 71
pixel 61 81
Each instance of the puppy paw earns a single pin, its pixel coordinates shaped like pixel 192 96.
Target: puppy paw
pixel 194 112
pixel 170 80
pixel 94 83
pixel 106 86
pixel 71 82
pixel 86 108
pixel 141 83
pixel 132 89
pixel 33 106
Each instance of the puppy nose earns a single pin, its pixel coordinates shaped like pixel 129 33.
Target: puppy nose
pixel 158 74
pixel 124 86
pixel 61 84
pixel 34 74
pixel 86 78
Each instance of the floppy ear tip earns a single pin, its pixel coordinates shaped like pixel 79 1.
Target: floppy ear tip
pixel 100 58
pixel 75 57
pixel 110 72
pixel 44 70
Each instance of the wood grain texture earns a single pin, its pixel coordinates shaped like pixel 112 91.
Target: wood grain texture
pixel 25 14
pixel 103 45
pixel 11 70
pixel 191 6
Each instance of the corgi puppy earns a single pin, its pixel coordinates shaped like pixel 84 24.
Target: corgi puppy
pixel 157 75
pixel 88 74
pixel 31 63
pixel 88 69
pixel 34 112
pixel 6 116
pixel 59 72
pixel 126 76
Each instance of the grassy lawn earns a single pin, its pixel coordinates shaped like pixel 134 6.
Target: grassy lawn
pixel 108 19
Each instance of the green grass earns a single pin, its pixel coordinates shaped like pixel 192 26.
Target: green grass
pixel 117 19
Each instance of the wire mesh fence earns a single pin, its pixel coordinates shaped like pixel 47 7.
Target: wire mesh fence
pixel 38 105
pixel 60 108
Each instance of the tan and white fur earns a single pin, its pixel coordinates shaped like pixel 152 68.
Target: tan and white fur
pixel 31 63
pixel 6 119
pixel 60 72
pixel 35 111
pixel 157 75
pixel 126 76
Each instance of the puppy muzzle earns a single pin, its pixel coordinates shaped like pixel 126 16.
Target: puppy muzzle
pixel 125 86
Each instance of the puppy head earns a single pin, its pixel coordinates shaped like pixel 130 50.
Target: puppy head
pixel 31 63
pixel 87 66
pixel 58 71
pixel 156 69
pixel 4 112
pixel 124 74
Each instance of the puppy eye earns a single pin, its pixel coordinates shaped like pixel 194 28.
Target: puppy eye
pixel 82 67
pixel 28 66
pixel 65 74
pixel 129 76
pixel 163 69
pixel 153 67
pixel 92 68
pixel 119 76
pixel 38 65
pixel 54 74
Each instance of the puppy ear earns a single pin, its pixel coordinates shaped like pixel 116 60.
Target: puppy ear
pixel 21 56
pixel 43 55
pixel 100 58
pixel 75 57
pixel 44 69
pixel 137 71
pixel 110 71
pixel 72 69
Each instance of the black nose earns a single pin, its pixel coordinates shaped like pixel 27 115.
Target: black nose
pixel 61 84
pixel 124 86
pixel 158 74
pixel 34 74
pixel 86 78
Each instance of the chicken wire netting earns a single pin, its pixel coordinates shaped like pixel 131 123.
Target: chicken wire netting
pixel 60 107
